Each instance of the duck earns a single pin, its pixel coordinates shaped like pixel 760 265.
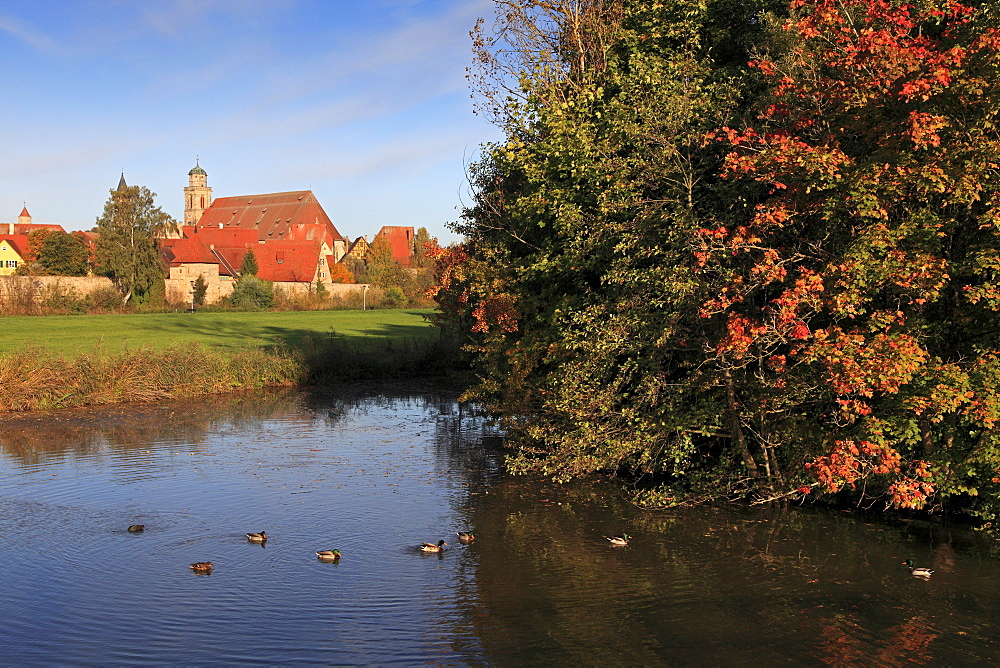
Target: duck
pixel 431 547
pixel 918 572
pixel 328 555
pixel 202 567
pixel 137 528
pixel 621 540
pixel 466 536
pixel 257 537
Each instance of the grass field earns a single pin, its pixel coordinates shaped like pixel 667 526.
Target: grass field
pixel 222 331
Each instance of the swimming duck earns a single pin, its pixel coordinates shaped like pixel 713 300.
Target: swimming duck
pixel 466 536
pixel 328 555
pixel 202 567
pixel 917 572
pixel 257 537
pixel 621 540
pixel 137 528
pixel 431 547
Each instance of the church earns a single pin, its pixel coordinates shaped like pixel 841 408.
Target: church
pixel 293 240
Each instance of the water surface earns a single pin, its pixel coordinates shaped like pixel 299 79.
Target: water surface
pixel 376 470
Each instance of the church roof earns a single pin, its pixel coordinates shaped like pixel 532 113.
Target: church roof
pixel 197 170
pixel 121 183
pixel 288 216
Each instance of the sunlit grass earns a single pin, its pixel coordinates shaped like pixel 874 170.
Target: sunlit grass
pixel 225 332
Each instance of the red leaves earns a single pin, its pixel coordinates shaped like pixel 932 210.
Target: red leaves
pixel 850 461
pixel 498 311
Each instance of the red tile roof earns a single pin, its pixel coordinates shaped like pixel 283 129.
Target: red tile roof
pixel 19 242
pixel 287 260
pixel 276 260
pixel 295 216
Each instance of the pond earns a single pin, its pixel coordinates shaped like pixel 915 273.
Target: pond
pixel 375 471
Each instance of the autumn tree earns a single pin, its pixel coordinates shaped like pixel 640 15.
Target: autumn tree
pixel 64 254
pixel 381 267
pixel 758 281
pixel 856 294
pixel 339 273
pixel 127 250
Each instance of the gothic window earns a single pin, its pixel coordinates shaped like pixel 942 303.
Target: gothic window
pixel 203 201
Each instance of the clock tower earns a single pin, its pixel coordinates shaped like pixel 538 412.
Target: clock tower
pixel 197 195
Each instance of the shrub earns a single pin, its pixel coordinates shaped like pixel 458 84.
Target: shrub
pixel 251 293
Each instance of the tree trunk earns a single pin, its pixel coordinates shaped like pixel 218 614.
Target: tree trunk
pixel 736 430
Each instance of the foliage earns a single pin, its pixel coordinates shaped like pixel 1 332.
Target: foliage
pixel 340 273
pixel 382 269
pixel 772 280
pixel 423 248
pixel 252 293
pixel 64 254
pixel 126 248
pixel 393 297
pixel 249 265
pixel 199 290
pixel 321 291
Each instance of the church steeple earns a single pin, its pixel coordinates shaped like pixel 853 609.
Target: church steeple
pixel 121 183
pixel 197 195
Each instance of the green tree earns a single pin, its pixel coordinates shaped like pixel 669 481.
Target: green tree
pixel 579 282
pixel 126 248
pixel 199 290
pixel 249 265
pixel 64 254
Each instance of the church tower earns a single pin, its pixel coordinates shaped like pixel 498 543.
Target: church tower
pixel 197 195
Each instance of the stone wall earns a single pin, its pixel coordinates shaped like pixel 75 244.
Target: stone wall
pixel 21 288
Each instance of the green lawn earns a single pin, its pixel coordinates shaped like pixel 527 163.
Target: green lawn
pixel 227 331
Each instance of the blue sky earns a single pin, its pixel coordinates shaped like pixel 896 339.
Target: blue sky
pixel 364 102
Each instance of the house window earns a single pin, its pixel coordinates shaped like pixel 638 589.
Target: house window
pixel 12 263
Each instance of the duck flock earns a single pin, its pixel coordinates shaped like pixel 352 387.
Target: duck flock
pixel 205 567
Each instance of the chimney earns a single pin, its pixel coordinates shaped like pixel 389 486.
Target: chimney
pixel 220 226
pixel 11 228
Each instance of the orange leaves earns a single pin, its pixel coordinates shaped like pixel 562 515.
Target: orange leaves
pixel 860 365
pixel 497 311
pixel 924 127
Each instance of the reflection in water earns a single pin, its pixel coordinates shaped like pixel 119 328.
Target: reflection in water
pixel 373 471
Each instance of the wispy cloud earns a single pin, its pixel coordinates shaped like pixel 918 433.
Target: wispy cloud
pixel 30 35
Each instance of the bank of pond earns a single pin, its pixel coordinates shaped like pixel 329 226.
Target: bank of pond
pixel 376 469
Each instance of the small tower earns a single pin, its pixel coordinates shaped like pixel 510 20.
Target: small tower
pixel 197 195
pixel 121 183
pixel 24 218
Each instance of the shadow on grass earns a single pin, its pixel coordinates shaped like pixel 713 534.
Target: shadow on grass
pixel 225 333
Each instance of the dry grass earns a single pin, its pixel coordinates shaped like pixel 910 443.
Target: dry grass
pixel 38 379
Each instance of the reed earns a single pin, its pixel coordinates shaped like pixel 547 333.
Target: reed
pixel 38 379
